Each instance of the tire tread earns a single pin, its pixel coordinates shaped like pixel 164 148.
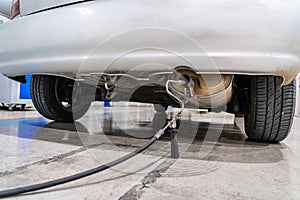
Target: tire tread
pixel 270 109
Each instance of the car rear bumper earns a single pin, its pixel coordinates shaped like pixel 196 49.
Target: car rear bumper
pixel 223 36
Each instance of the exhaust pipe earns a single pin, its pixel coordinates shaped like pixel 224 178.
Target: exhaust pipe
pixel 210 90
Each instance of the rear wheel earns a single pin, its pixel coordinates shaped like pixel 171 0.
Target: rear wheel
pixel 52 97
pixel 270 109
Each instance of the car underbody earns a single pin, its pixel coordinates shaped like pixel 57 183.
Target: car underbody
pixel 231 56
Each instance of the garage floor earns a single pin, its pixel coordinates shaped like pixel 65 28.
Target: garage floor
pixel 216 161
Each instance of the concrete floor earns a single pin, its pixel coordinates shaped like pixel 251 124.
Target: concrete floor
pixel 216 161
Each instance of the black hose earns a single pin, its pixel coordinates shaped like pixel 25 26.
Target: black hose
pixel 31 188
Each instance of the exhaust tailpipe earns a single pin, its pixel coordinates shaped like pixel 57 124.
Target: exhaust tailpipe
pixel 210 90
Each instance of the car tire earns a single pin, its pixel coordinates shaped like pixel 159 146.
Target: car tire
pixel 270 109
pixel 46 92
pixel 160 108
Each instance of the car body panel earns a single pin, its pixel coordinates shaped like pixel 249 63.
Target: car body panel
pixel 32 6
pixel 236 37
pixel 5 8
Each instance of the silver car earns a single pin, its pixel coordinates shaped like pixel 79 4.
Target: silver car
pixel 242 55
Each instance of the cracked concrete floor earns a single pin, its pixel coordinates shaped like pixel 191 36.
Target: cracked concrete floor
pixel 216 160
